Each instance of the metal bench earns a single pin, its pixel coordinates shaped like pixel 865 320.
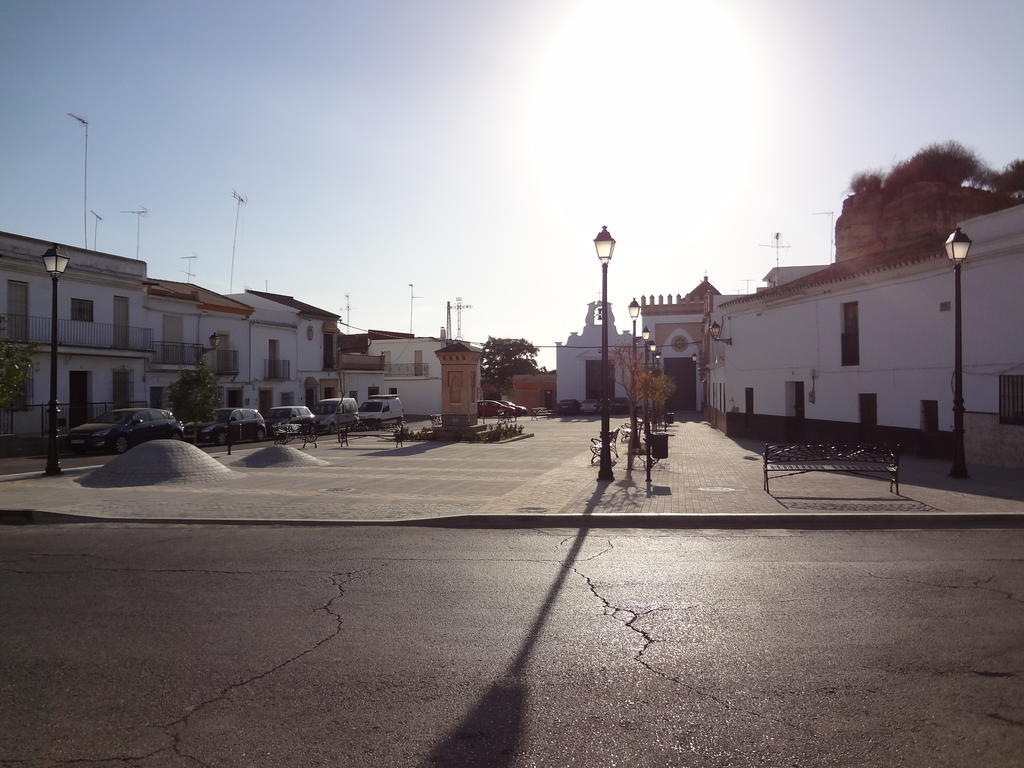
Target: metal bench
pixel 394 435
pixel 285 433
pixel 540 413
pixel 877 461
pixel 595 446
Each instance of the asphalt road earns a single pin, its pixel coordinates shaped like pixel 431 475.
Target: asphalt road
pixel 161 646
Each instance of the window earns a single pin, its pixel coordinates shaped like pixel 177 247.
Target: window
pixel 850 339
pixel 353 393
pixel 372 391
pixel 748 395
pixel 392 390
pixel 81 309
pixel 287 398
pixel 929 415
pixel 17 310
pixel 1011 399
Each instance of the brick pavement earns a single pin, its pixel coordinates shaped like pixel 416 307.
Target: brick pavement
pixel 549 474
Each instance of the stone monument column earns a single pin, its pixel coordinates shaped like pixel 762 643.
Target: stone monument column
pixel 460 389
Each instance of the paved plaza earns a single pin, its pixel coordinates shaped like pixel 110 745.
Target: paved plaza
pixel 707 475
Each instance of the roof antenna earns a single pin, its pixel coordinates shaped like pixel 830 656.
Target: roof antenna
pixel 189 274
pixel 142 211
pixel 242 200
pixel 777 244
pixel 96 226
pixel 411 297
pixel 831 232
pixel 459 306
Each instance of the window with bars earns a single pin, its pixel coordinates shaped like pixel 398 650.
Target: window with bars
pixel 1011 399
pixel 121 393
pixel 850 337
pixel 81 309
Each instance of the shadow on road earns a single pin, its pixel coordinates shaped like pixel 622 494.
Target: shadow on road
pixel 490 734
pixel 847 504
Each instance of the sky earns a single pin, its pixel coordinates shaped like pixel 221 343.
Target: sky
pixel 475 148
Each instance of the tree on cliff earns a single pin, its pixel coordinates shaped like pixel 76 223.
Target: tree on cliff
pixel 504 358
pixel 950 164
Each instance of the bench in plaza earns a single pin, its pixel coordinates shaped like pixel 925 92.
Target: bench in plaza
pixel 394 435
pixel 849 458
pixel 595 446
pixel 540 413
pixel 286 433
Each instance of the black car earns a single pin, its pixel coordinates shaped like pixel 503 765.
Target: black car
pixel 244 423
pixel 620 405
pixel 120 429
pixel 569 407
pixel 287 414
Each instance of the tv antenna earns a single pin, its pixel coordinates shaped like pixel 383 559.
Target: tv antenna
pixel 189 274
pixel 831 231
pixel 348 312
pixel 242 200
pixel 411 297
pixel 776 244
pixel 459 306
pixel 85 181
pixel 96 226
pixel 142 211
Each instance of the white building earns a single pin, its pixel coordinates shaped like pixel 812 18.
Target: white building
pixel 104 339
pixel 184 317
pixel 578 360
pixel 863 351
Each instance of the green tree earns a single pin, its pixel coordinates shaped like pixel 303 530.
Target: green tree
pixel 504 358
pixel 15 364
pixel 193 395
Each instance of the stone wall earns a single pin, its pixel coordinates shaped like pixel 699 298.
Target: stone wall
pixel 921 216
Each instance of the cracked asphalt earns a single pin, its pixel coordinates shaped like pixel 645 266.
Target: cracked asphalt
pixel 185 645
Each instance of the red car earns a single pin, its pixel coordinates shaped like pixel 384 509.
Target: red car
pixel 493 408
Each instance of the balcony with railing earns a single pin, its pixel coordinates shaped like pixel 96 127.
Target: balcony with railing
pixel 177 353
pixel 277 369
pixel 77 333
pixel 354 361
pixel 225 361
pixel 407 369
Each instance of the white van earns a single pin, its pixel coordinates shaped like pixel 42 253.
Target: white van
pixel 380 410
pixel 333 413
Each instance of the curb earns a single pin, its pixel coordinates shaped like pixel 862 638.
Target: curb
pixel 752 521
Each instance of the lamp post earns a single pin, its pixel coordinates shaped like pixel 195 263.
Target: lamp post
pixel 605 245
pixel 957 246
pixel 634 438
pixel 55 263
pixel 649 346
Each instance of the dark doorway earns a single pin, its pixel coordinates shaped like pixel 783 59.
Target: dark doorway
pixel 683 371
pixel 594 380
pixel 794 411
pixel 748 406
pixel 549 399
pixel 266 400
pixel 234 398
pixel 868 417
pixel 78 397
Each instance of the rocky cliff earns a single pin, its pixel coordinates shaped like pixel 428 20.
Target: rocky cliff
pixel 921 215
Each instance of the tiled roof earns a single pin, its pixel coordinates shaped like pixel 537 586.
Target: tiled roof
pixel 291 301
pixel 173 289
pixel 912 253
pixel 698 293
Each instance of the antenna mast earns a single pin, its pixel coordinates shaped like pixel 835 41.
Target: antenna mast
pixel 831 232
pixel 459 306
pixel 189 274
pixel 411 297
pixel 142 211
pixel 348 312
pixel 85 182
pixel 96 226
pixel 242 200
pixel 776 244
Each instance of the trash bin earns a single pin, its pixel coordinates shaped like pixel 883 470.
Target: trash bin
pixel 659 445
pixel 670 417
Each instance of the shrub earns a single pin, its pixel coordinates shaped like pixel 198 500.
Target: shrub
pixel 867 181
pixel 950 164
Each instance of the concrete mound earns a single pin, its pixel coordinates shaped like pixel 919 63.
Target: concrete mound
pixel 282 456
pixel 159 462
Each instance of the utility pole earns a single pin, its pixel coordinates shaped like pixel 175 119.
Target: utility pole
pixel 242 200
pixel 411 297
pixel 95 227
pixel 459 306
pixel 85 183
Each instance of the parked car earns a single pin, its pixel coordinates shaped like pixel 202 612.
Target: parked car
pixel 244 423
pixel 620 405
pixel 335 412
pixel 590 406
pixel 518 410
pixel 120 429
pixel 381 410
pixel 495 408
pixel 568 407
pixel 287 414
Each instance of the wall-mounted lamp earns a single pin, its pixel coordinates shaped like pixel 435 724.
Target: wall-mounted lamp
pixel 716 332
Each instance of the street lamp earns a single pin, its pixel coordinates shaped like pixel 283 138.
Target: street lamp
pixel 957 246
pixel 649 347
pixel 716 332
pixel 634 438
pixel 605 245
pixel 55 263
